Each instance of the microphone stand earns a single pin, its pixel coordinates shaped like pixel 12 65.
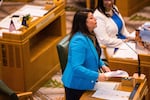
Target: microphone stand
pixel 137 76
pixel 138 58
pixel 139 66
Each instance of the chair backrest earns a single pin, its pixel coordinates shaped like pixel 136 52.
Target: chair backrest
pixel 62 49
pixel 7 94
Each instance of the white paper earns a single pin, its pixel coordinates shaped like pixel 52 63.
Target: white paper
pixel 126 50
pixel 32 10
pixel 132 35
pixel 107 90
pixel 118 73
pixel 110 94
pixel 106 85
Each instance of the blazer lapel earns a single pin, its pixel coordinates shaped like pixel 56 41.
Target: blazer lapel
pixel 92 48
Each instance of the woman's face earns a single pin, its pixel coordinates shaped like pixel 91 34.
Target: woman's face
pixel 91 22
pixel 108 4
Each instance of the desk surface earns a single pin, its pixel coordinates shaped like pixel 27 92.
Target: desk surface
pixel 140 94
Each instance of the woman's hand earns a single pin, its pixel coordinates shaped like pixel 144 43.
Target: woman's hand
pixel 102 77
pixel 128 39
pixel 106 69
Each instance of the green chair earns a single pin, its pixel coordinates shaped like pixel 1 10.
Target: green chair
pixel 7 94
pixel 62 49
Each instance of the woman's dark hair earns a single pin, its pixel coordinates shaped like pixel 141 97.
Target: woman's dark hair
pixel 79 22
pixel 101 8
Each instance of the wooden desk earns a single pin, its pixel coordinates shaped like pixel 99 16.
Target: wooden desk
pixel 29 59
pixel 141 93
pixel 131 66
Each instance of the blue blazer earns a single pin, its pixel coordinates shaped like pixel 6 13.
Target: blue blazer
pixel 81 71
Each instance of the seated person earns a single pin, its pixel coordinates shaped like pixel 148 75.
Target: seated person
pixel 110 30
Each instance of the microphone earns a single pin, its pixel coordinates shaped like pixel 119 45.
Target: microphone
pixel 138 58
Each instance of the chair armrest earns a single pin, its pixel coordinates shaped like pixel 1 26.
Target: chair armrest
pixel 25 95
pixel 105 52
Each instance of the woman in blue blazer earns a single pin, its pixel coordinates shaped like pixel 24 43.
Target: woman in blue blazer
pixel 81 72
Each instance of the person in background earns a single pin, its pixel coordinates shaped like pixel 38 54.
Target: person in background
pixel 111 30
pixel 82 69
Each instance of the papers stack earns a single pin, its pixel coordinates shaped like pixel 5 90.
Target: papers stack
pixel 118 73
pixel 107 91
pixel 126 50
pixel 111 94
pixel 37 11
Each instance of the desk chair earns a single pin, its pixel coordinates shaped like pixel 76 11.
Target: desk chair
pixel 7 94
pixel 62 49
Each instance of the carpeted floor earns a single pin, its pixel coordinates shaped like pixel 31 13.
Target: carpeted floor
pixel 52 90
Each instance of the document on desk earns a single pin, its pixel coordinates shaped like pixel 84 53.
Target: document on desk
pixel 106 90
pixel 111 94
pixel 106 85
pixel 126 50
pixel 32 10
pixel 37 11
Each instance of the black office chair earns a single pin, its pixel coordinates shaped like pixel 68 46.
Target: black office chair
pixel 7 94
pixel 62 49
